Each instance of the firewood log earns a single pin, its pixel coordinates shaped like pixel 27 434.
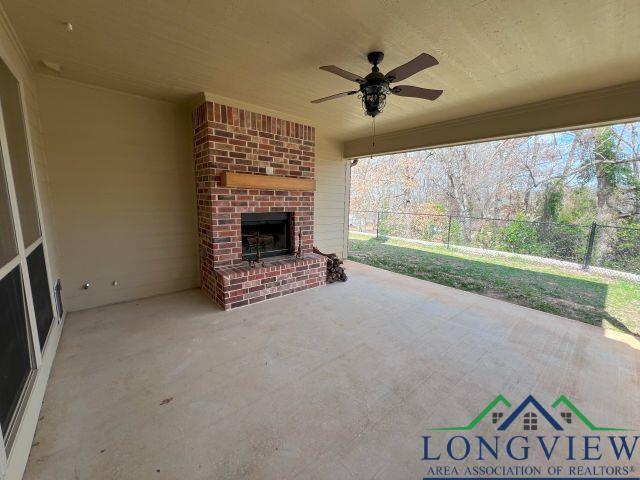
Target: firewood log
pixel 334 271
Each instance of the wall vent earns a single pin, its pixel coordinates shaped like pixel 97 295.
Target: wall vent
pixel 57 294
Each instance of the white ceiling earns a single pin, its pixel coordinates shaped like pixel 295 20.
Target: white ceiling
pixel 493 54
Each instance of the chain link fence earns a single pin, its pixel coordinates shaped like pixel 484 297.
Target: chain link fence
pixel 616 248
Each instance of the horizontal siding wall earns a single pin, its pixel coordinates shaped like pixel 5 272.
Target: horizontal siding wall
pixel 122 188
pixel 332 197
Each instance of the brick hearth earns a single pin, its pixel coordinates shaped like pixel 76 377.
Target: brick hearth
pixel 231 139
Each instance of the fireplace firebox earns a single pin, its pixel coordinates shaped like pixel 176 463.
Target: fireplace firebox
pixel 269 233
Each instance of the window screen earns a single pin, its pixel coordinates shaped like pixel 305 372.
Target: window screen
pixel 40 292
pixel 19 155
pixel 8 248
pixel 15 362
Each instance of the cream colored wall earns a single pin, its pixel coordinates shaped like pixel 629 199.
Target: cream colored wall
pixel 122 186
pixel 332 197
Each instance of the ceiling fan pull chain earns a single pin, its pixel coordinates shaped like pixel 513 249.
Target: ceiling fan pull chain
pixel 373 139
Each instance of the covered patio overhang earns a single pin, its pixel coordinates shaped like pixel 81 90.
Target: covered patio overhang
pixel 617 104
pixel 122 152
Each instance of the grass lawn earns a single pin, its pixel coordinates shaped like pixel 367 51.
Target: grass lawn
pixel 593 299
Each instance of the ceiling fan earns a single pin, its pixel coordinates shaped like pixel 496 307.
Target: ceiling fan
pixel 374 88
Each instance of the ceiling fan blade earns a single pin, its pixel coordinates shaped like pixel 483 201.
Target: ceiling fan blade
pixel 343 73
pixel 422 61
pixel 331 97
pixel 417 92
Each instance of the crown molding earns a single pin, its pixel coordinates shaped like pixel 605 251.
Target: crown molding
pixel 5 24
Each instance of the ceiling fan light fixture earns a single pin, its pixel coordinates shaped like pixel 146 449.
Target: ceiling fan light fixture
pixel 373 103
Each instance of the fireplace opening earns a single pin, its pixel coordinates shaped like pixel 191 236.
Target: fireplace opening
pixel 268 233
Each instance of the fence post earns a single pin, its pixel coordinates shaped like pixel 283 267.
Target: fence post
pixel 592 236
pixel 377 224
pixel 449 232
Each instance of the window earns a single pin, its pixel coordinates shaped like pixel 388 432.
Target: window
pixel 25 290
pixel 8 247
pixel 40 292
pixel 14 345
pixel 496 416
pixel 567 417
pixel 19 155
pixel 530 421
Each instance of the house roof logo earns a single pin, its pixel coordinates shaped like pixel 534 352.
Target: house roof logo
pixel 530 401
pixel 531 409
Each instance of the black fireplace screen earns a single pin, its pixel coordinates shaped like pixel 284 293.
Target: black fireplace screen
pixel 270 233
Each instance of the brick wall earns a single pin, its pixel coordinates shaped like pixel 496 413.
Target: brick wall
pixel 231 139
pixel 237 287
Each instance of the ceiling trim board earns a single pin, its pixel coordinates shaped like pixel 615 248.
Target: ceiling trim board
pixel 614 104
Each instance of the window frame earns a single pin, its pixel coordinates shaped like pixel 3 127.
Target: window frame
pixel 530 421
pixel 36 350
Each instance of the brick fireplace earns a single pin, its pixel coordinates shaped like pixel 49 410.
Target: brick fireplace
pixel 228 141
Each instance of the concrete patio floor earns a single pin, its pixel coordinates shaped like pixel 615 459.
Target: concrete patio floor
pixel 335 382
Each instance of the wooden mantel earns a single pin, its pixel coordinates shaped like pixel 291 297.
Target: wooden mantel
pixel 267 182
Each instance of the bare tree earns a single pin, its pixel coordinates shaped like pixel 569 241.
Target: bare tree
pixel 502 178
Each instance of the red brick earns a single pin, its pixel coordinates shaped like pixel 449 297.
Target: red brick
pixel 232 139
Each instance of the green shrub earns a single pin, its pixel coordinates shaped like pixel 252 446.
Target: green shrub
pixel 520 236
pixel 565 242
pixel 624 250
pixel 456 236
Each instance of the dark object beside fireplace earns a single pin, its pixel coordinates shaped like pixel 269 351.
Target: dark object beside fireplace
pixel 270 233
